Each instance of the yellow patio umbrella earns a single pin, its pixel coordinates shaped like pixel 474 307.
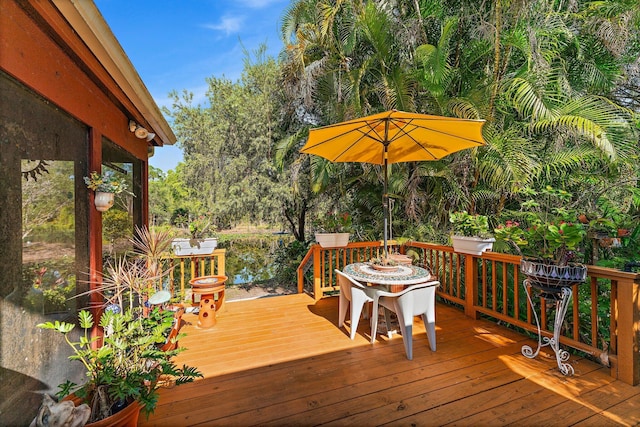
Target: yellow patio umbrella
pixel 393 137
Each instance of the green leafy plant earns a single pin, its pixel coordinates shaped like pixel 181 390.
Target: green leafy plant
pixel 334 223
pixel 201 227
pixel 108 182
pixel 602 227
pixel 465 224
pixel 546 230
pixel 133 360
pixel 129 365
pixel 384 262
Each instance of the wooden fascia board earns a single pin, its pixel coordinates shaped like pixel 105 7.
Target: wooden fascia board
pixel 88 23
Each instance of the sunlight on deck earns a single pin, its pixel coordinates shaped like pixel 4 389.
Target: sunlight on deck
pixel 284 361
pixel 570 388
pixel 492 338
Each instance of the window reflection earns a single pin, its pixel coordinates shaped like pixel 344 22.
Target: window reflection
pixel 117 222
pixel 48 237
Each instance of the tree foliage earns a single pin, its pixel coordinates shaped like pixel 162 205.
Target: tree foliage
pixel 228 142
pixel 548 77
pixel 557 83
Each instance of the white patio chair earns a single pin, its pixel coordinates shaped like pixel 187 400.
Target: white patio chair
pixel 414 300
pixel 353 295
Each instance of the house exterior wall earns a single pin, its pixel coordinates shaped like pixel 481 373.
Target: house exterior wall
pixel 57 102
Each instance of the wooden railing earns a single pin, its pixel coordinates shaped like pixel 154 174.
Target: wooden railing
pixel 316 271
pixel 603 320
pixel 184 268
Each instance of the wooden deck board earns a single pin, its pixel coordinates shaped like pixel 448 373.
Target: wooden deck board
pixel 283 361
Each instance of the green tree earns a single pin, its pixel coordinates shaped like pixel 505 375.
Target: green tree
pixel 228 144
pixel 549 77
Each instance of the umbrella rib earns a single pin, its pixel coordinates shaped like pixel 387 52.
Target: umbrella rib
pixel 425 147
pixel 369 133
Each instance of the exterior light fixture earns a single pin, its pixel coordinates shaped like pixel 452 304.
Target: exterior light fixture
pixel 140 132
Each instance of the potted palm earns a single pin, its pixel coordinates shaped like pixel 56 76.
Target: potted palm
pixel 133 361
pixel 333 230
pixel 470 233
pixel 106 186
pixel 548 237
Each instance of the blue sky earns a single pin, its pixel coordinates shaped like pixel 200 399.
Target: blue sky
pixel 177 44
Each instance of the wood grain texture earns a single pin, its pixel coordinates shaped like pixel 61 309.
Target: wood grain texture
pixel 283 361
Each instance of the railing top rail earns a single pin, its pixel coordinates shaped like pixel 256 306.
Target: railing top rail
pixel 433 246
pixel 610 273
pixel 216 252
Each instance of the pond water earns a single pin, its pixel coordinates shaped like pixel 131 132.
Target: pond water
pixel 251 260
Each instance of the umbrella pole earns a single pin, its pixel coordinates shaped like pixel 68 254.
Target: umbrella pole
pixel 385 201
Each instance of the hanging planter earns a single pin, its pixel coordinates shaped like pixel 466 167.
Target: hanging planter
pixel 103 201
pixel 332 240
pixel 106 186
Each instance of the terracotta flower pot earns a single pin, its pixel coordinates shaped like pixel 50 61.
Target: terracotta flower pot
pixel 623 232
pixel 127 417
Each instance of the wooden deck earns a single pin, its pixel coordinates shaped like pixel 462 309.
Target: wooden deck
pixel 283 361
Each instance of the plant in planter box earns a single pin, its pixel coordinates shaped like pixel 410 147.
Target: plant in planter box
pixel 471 233
pixel 333 230
pixel 201 241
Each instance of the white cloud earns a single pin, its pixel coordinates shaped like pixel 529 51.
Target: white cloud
pixel 228 24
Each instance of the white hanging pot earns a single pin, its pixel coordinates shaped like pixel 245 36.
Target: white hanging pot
pixel 103 200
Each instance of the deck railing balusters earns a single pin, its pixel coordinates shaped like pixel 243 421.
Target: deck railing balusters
pixel 474 283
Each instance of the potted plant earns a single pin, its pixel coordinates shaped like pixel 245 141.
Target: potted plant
pixel 128 368
pixel 201 240
pixel 548 237
pixel 384 264
pixel 470 233
pixel 333 230
pixel 125 372
pixel 603 231
pixel 106 186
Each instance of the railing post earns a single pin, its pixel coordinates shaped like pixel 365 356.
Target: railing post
pixel 628 331
pixel 317 279
pixel 221 261
pixel 470 286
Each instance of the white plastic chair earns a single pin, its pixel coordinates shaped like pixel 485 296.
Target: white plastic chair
pixel 355 293
pixel 415 300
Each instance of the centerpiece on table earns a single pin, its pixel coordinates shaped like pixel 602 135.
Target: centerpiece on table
pixel 106 186
pixel 202 240
pixel 384 264
pixel 333 230
pixel 471 233
pixel 127 365
pixel 548 236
